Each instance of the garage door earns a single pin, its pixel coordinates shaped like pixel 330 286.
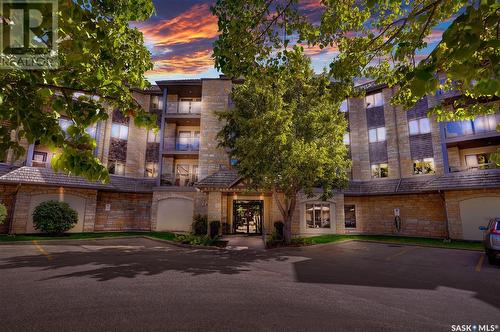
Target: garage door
pixel 174 214
pixel 477 212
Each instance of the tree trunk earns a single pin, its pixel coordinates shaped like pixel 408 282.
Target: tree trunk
pixel 287 212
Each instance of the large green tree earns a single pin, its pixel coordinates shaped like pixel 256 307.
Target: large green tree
pixel 380 39
pixel 101 59
pixel 286 132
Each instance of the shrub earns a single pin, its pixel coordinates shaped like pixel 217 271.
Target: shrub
pixel 54 217
pixel 191 239
pixel 3 213
pixel 214 228
pixel 199 225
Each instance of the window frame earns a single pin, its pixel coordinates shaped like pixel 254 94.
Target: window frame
pixel 377 130
pixel 120 129
pixel 355 217
pixel 375 103
pixel 156 137
pixel 155 168
pixel 117 164
pixel 418 122
pixel 422 161
pixel 379 170
pixel 321 204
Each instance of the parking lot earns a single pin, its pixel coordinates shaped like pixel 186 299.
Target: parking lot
pixel 139 284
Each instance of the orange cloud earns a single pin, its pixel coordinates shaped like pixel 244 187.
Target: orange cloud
pixel 192 25
pixel 194 63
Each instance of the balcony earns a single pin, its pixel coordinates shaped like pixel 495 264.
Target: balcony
pixel 479 167
pixel 481 127
pixel 182 146
pixel 185 180
pixel 184 107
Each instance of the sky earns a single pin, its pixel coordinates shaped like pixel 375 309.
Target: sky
pixel 180 36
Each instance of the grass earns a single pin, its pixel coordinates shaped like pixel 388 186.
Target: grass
pixel 78 236
pixel 453 244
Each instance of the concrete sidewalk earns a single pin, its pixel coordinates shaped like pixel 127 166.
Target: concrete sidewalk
pixel 243 242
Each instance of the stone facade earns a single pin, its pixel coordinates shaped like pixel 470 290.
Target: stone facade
pixel 7 198
pixel 123 212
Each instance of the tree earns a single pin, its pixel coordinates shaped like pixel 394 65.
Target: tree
pixel 376 39
pixel 286 132
pixel 101 59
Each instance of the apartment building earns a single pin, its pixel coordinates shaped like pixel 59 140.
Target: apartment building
pixel 437 177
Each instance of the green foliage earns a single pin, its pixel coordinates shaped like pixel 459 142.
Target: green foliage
pixel 3 213
pixel 99 55
pixel 54 217
pixel 197 240
pixel 200 225
pixel 286 131
pixel 214 229
pixel 378 39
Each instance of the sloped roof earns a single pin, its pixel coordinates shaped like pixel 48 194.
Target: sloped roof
pixel 5 168
pixel 46 176
pixel 226 179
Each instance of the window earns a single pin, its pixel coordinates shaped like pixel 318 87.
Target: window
pixel 119 131
pixel 376 134
pixel 153 137
pixel 151 170
pixel 479 161
pixel 459 128
pixel 64 124
pixel 116 167
pixel 344 106
pixel 157 102
pixel 92 131
pixel 419 126
pixel 186 175
pixel 347 139
pixel 374 100
pixel 350 216
pixel 318 215
pixel 424 166
pixel 380 170
pixel 39 159
pixel 233 162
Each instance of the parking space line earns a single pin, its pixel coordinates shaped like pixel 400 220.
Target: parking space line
pixel 400 253
pixel 43 251
pixel 480 263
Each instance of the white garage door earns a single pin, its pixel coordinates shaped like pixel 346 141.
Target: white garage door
pixel 174 214
pixel 75 202
pixel 477 212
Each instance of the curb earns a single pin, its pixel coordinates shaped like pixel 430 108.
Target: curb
pixel 3 243
pixel 182 245
pixel 417 245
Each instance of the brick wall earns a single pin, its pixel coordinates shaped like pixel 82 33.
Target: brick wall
pixel 421 215
pixel 127 211
pixel 7 197
pixel 23 200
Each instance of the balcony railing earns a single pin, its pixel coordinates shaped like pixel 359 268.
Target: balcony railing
pixel 182 144
pixel 179 180
pixel 480 125
pixel 454 169
pixel 184 107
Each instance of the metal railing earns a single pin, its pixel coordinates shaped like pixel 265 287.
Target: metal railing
pixel 182 144
pixel 184 107
pixel 479 167
pixel 179 180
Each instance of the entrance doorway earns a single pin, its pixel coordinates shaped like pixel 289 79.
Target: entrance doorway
pixel 248 217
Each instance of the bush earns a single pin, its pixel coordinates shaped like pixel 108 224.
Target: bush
pixel 191 239
pixel 3 213
pixel 199 225
pixel 214 229
pixel 54 217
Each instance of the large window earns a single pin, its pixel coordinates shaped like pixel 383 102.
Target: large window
pixel 157 102
pixel 481 124
pixel 350 216
pixel 424 166
pixel 318 215
pixel 39 159
pixel 376 135
pixel 151 170
pixel 116 167
pixel 119 131
pixel 374 100
pixel 380 170
pixel 419 126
